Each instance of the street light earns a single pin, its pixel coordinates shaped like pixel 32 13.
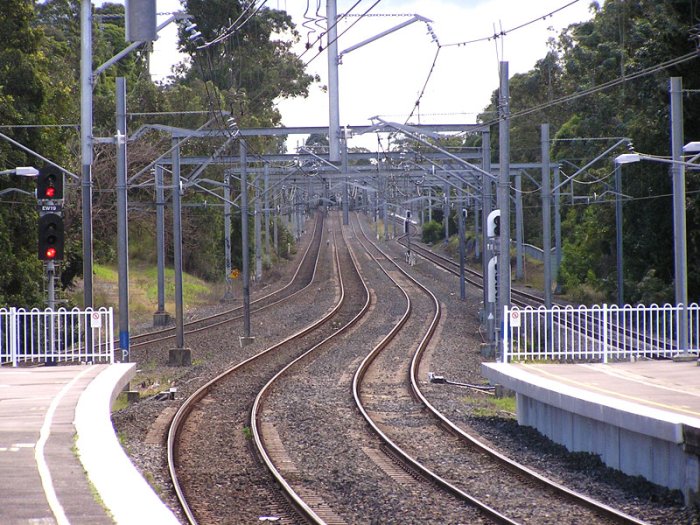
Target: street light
pixel 679 229
pixel 692 147
pixel 627 158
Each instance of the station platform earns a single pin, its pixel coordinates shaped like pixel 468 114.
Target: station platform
pixel 642 417
pixel 60 459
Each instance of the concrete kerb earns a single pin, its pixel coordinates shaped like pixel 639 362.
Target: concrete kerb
pixel 125 493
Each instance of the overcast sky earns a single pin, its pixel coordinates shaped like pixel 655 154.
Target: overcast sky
pixel 386 77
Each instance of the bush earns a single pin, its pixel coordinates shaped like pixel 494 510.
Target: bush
pixel 432 232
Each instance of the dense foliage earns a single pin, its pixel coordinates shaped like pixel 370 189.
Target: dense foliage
pixel 239 72
pixel 600 59
pixel 40 110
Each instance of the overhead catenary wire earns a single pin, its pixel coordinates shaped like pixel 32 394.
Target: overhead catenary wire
pixel 425 85
pixel 500 34
pixel 235 26
pixel 606 85
pixel 341 17
pixel 328 28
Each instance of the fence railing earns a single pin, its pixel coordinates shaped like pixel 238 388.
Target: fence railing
pixel 54 336
pixel 599 333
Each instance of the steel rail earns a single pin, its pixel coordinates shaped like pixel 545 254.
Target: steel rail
pixel 180 418
pixel 257 406
pixel 364 367
pixel 600 508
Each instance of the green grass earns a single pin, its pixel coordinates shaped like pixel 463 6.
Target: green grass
pixel 491 406
pixel 143 291
pixel 504 404
pixel 120 402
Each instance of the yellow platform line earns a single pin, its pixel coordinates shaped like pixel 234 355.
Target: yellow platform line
pixel 612 393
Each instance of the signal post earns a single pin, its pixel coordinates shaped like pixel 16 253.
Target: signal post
pixel 51 238
pixel 493 233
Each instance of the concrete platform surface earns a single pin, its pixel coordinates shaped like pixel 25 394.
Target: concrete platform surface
pixel 58 448
pixel 641 417
pixel 666 386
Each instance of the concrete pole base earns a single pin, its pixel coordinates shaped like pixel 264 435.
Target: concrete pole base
pixel 245 341
pixel 180 357
pixel 488 350
pixel 161 319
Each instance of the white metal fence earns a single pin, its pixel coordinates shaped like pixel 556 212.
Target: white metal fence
pixel 599 333
pixel 54 336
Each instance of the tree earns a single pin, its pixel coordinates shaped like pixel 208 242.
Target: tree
pixel 23 98
pixel 602 57
pixel 249 65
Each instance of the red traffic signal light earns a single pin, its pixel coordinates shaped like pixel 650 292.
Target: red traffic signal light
pixel 51 237
pixel 49 184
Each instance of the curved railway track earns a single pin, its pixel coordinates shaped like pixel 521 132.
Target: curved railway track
pixel 471 276
pixel 561 504
pixel 624 339
pixel 342 496
pixel 195 469
pixel 434 449
pixel 318 443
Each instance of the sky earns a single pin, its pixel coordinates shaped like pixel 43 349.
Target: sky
pixel 386 77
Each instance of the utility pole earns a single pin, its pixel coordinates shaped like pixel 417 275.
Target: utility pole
pixel 160 317
pixel 618 235
pixel 122 221
pixel 503 202
pixel 346 191
pixel 546 217
pixel 679 227
pixel 333 96
pixel 258 233
pixel 487 314
pixel 228 265
pixel 462 216
pixel 179 356
pixel 86 144
pixel 246 339
pixel 266 188
pixel 519 274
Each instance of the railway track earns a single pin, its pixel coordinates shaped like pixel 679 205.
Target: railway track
pixel 462 453
pixel 622 339
pixel 471 276
pixel 215 475
pixel 360 477
pixel 433 450
pixel 319 442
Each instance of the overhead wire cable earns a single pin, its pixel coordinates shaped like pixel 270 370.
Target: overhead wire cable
pixel 500 34
pixel 330 26
pixel 601 87
pixel 235 26
pixel 308 20
pixel 425 84
pixel 360 17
